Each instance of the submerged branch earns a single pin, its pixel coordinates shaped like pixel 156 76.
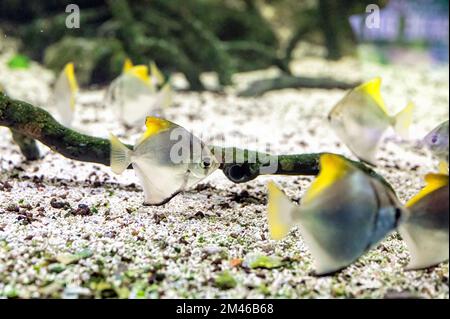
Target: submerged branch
pixel 260 87
pixel 29 123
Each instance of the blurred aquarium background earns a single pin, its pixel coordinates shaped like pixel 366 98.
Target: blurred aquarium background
pixel 222 36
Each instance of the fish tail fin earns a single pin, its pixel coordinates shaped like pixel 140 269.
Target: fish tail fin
pixel 155 72
pixel 166 96
pixel 403 120
pixel 120 155
pixel 425 229
pixel 279 212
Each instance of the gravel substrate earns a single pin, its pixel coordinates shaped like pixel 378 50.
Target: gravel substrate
pixel 71 229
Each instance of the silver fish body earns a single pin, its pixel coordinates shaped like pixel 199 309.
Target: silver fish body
pixel 167 160
pixel 360 120
pixel 360 130
pixel 342 226
pixel 343 221
pixel 425 228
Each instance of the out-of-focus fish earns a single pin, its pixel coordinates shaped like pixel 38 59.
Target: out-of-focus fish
pixel 437 142
pixel 424 226
pixel 343 214
pixel 157 76
pixel 361 118
pixel 134 95
pixel 167 159
pixel 64 94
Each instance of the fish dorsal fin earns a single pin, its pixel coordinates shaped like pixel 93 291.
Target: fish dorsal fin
pixel 141 72
pixel 332 168
pixel 69 72
pixel 155 125
pixel 127 65
pixel 434 182
pixel 156 73
pixel 372 88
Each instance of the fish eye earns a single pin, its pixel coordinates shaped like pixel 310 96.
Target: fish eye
pixel 434 139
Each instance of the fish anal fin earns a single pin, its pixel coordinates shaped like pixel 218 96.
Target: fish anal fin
pixel 427 248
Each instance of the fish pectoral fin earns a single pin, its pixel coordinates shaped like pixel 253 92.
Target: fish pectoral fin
pixel 279 212
pixel 120 155
pixel 403 120
pixel 434 182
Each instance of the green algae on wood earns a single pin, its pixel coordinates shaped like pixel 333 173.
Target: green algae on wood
pixel 238 165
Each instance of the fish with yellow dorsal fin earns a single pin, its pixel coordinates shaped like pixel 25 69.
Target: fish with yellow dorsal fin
pixel 133 95
pixel 343 214
pixel 64 94
pixel 361 118
pixel 437 142
pixel 167 160
pixel 425 224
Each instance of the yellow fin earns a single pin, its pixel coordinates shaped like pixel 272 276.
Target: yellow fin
pixel 141 72
pixel 279 211
pixel 332 168
pixel 372 88
pixel 127 65
pixel 403 120
pixel 156 73
pixel 69 71
pixel 434 182
pixel 443 167
pixel 154 126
